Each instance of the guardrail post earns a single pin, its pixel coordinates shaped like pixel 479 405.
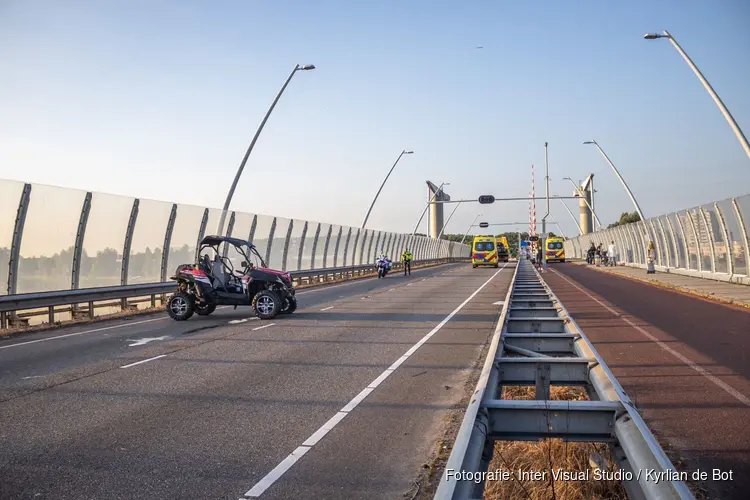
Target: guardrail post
pixel 126 248
pixel 301 245
pixel 709 235
pixel 723 226
pixel 230 228
pixel 287 239
pixel 338 240
pixel 745 230
pixel 328 242
pixel 252 229
pixel 75 275
pixel 270 242
pixel 201 234
pixel 167 244
pixel 15 247
pixel 315 245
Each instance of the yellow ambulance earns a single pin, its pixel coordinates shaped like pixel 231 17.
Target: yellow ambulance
pixel 484 251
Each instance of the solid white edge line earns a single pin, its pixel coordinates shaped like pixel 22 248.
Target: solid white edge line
pixel 278 471
pixel 143 361
pixel 727 388
pixel 113 327
pixel 264 326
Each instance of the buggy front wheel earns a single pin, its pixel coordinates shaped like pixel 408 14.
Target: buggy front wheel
pixel 180 306
pixel 266 304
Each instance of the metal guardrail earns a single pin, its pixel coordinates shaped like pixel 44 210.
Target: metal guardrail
pixel 537 343
pixel 13 303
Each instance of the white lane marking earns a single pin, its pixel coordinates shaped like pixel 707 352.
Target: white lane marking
pixel 144 361
pixel 81 333
pixel 326 308
pixel 729 389
pixel 114 327
pixel 33 376
pixel 286 464
pixel 391 289
pixel 238 321
pixel 264 326
pixel 498 303
pixel 146 340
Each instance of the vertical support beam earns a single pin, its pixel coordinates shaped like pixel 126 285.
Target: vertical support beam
pixel 745 230
pixel 377 246
pixel 328 242
pixel 75 277
pixel 338 241
pixel 315 244
pixel 287 239
pixel 674 241
pixel 168 242
pixel 126 246
pixel 15 247
pixel 370 246
pixel 709 235
pixel 723 226
pixel 684 240
pixel 201 234
pixel 126 249
pixel 301 245
pixel 698 250
pixel 354 247
pixel 252 229
pixel 230 228
pixel 362 247
pixel 346 246
pixel 667 253
pixel 270 242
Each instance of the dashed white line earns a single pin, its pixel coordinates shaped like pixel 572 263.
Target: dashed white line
pixel 326 308
pixel 264 326
pixel 144 361
pixel 238 321
pixel 391 289
pixel 286 464
pixel 729 389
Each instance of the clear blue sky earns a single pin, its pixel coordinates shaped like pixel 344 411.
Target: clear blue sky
pixel 159 99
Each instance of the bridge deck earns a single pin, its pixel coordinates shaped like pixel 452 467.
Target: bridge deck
pixel 227 403
pixel 684 361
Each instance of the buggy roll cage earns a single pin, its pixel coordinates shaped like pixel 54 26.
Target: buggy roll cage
pixel 240 245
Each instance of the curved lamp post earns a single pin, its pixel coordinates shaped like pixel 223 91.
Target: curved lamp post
pixel 404 152
pixel 737 130
pixel 469 229
pixel 306 67
pixel 630 193
pixel 578 225
pixel 449 219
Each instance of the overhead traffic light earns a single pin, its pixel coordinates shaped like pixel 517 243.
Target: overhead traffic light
pixel 486 199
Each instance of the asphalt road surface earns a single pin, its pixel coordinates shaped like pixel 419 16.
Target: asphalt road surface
pixel 684 361
pixel 343 399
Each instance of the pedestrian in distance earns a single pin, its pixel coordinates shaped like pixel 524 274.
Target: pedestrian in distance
pixel 611 255
pixel 406 258
pixel 539 257
pixel 650 258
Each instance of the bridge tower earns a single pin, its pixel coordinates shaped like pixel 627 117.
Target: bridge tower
pixel 586 217
pixel 435 216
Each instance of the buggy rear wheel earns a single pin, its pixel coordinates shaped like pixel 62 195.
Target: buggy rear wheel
pixel 205 311
pixel 266 304
pixel 180 306
pixel 290 305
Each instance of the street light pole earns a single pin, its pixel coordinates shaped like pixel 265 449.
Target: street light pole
pixel 580 231
pixel 544 219
pixel 583 196
pixel 297 67
pixel 630 193
pixel 404 152
pixel 428 206
pixel 449 219
pixel 737 131
pixel 470 226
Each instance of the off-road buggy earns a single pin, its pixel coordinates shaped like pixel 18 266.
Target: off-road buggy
pixel 213 281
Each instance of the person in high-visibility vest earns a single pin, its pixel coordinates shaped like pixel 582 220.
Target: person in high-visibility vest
pixel 406 258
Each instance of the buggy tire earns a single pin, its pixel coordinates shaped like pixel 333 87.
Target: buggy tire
pixel 180 306
pixel 266 304
pixel 205 311
pixel 291 306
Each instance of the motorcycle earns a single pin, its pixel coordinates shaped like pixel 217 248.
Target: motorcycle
pixel 384 265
